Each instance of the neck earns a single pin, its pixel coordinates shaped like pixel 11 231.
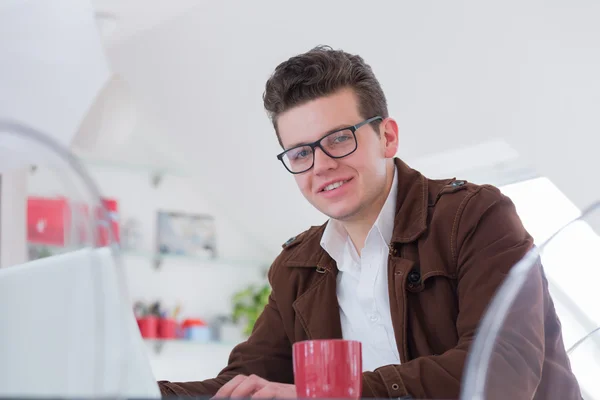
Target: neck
pixel 358 228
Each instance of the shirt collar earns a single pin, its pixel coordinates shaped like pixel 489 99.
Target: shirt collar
pixel 335 238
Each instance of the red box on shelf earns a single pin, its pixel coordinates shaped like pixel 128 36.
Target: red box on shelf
pixel 49 222
pixel 103 237
pixel 112 207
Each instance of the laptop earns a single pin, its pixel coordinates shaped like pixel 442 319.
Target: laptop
pixel 67 329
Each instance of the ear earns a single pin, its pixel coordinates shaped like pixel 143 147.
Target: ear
pixel 389 136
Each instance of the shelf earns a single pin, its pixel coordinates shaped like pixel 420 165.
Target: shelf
pixel 155 172
pixel 158 259
pixel 158 344
pixel 132 166
pixel 188 342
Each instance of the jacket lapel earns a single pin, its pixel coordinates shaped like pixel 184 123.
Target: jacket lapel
pixel 317 308
pixel 411 204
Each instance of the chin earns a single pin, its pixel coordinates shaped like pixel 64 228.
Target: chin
pixel 340 213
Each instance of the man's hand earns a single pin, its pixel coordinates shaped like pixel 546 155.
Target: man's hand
pixel 255 387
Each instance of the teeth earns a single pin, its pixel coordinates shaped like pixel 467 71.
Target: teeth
pixel 334 186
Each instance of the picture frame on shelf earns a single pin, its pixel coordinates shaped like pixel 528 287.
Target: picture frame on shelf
pixel 186 234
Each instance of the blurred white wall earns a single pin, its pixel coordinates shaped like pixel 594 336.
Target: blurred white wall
pixel 13 214
pixel 52 64
pixel 490 91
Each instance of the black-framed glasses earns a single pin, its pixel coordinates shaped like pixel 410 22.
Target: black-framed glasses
pixel 337 144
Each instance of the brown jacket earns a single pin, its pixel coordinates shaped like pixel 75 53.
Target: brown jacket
pixel 453 244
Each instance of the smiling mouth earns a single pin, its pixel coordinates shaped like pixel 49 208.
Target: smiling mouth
pixel 333 186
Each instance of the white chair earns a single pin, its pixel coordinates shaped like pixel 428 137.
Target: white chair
pixel 498 359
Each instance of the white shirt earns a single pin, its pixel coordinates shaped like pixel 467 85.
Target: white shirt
pixel 362 285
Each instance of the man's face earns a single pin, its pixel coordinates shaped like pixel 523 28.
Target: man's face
pixel 363 172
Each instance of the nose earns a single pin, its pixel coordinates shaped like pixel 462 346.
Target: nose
pixel 323 162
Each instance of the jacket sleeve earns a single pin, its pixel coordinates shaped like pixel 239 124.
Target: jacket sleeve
pixel 488 238
pixel 267 353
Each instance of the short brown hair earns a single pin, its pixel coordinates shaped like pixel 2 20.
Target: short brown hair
pixel 320 72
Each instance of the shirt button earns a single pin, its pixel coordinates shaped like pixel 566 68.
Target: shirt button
pixel 374 317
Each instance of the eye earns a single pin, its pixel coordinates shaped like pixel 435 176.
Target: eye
pixel 341 139
pixel 300 153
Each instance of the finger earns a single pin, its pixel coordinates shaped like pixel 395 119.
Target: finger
pixel 267 392
pixel 276 391
pixel 251 385
pixel 229 387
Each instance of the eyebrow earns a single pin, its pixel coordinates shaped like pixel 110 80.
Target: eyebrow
pixel 334 129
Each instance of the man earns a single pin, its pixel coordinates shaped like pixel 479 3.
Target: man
pixel 406 265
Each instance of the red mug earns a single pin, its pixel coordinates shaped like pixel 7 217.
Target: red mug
pixel 328 369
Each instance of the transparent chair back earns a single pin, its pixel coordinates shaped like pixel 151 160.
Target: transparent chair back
pixel 506 357
pixel 56 210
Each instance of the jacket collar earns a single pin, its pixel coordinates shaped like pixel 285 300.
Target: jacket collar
pixel 411 204
pixel 409 223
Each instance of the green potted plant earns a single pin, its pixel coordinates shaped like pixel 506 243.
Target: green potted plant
pixel 248 304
